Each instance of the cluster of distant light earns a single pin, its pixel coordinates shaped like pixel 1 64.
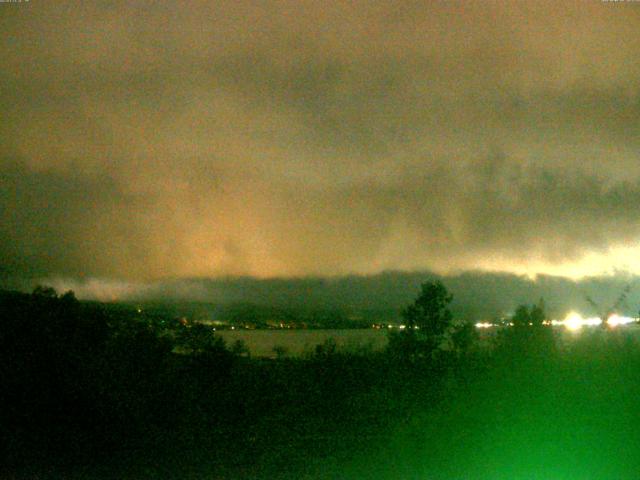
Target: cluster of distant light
pixel 575 321
pixel 403 327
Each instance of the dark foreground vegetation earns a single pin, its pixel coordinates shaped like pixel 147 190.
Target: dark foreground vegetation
pixel 90 392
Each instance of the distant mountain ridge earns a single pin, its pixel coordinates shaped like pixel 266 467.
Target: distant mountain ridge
pixel 477 295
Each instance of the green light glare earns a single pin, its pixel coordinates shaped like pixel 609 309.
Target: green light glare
pixel 571 417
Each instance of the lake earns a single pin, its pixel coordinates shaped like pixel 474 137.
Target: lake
pixel 298 342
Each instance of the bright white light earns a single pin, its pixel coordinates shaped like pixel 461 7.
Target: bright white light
pixel 573 321
pixel 615 320
pixel 592 321
pixel 484 325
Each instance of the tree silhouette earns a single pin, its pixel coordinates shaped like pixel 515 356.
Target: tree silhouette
pixel 427 320
pixel 521 318
pixel 529 316
pixel 430 311
pixel 528 337
pixel 198 339
pixel 44 291
pixel 538 315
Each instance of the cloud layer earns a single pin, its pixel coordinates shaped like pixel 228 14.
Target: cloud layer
pixel 147 140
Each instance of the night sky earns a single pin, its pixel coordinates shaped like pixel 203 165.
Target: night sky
pixel 149 140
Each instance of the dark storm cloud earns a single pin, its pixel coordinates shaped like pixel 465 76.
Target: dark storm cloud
pixel 157 139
